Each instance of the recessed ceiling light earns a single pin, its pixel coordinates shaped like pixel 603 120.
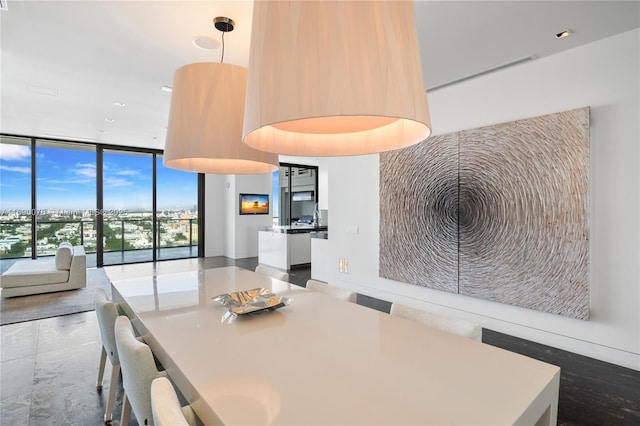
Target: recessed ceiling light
pixel 563 34
pixel 166 89
pixel 109 120
pixel 102 131
pixel 120 104
pixel 206 43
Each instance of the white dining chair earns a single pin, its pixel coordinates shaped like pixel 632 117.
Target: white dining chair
pixel 107 312
pixel 450 325
pixel 167 410
pixel 138 371
pixel 273 273
pixel 338 293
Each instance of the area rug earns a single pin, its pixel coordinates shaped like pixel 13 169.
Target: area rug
pixel 39 306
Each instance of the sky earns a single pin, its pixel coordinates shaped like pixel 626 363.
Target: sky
pixel 66 179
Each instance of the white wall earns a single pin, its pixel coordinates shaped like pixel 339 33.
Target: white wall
pixel 215 216
pixel 226 232
pixel 602 75
pixel 323 186
pixel 246 227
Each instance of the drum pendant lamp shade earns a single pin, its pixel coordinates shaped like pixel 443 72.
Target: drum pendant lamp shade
pixel 205 122
pixel 332 78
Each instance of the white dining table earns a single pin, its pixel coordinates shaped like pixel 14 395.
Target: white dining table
pixel 321 361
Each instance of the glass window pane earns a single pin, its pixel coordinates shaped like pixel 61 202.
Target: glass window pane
pixel 65 195
pixel 127 207
pixel 177 215
pixel 15 188
pixel 283 196
pixel 275 190
pixel 303 194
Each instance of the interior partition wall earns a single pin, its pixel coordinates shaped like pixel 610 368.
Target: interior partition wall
pixel 120 203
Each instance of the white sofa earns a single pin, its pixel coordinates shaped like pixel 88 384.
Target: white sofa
pixel 66 271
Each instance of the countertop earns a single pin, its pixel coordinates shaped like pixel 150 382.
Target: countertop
pixel 293 229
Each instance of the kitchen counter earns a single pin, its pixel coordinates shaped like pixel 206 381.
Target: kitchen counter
pixel 285 246
pixel 293 229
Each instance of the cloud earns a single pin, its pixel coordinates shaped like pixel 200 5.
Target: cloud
pixel 11 152
pixel 90 173
pixel 85 170
pixel 115 182
pixel 66 181
pixel 128 173
pixel 15 169
pixel 56 188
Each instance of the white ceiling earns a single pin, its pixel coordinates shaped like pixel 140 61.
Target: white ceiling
pixel 65 63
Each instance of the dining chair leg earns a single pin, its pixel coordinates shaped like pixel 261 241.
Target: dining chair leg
pixel 126 410
pixel 115 376
pixel 103 361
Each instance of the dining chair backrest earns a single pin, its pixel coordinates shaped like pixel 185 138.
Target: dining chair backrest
pixel 138 370
pixel 450 325
pixel 166 408
pixel 328 289
pixel 107 312
pixel 273 273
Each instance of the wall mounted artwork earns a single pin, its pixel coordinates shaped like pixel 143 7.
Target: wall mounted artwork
pixel 499 213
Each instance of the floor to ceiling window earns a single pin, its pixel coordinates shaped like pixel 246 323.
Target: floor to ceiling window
pixel 15 197
pixel 65 195
pixel 127 206
pixel 176 212
pixel 122 204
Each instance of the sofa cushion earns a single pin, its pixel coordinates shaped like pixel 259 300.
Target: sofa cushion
pixel 33 272
pixel 64 254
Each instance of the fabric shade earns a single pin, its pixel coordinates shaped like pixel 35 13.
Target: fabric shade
pixel 205 122
pixel 330 78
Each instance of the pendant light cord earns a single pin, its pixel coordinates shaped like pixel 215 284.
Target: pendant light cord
pixel 222 58
pixel 223 24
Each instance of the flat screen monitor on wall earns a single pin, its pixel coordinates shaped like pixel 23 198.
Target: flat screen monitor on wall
pixel 254 203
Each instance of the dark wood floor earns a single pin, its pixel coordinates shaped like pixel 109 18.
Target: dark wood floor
pixel 592 392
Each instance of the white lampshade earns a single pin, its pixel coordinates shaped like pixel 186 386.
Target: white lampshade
pixel 205 122
pixel 329 78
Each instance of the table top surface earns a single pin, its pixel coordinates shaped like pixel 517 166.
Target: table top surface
pixel 322 361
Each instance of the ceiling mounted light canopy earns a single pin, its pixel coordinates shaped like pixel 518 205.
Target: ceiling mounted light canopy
pixel 331 78
pixel 204 133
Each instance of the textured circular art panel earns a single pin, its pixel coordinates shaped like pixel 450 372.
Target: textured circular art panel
pixel 499 213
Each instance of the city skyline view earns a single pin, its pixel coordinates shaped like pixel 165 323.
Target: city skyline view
pixel 66 179
pixel 66 187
